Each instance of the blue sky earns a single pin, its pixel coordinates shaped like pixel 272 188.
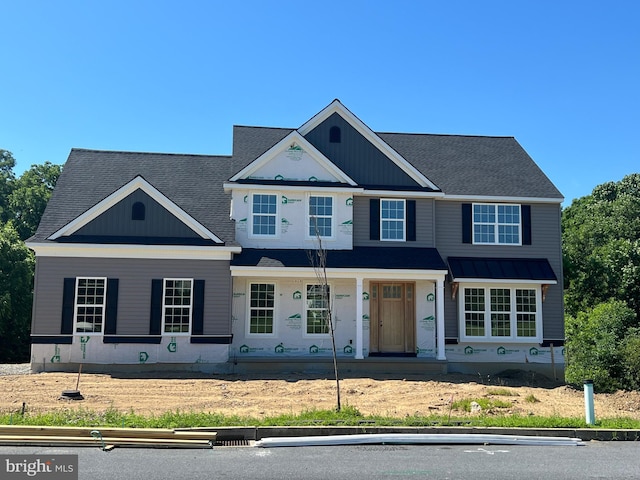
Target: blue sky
pixel 562 77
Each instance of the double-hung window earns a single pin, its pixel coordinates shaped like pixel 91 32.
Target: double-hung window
pixel 261 308
pixel 177 305
pixel 392 219
pixel 264 211
pixel 91 296
pixel 499 313
pixel 320 216
pixel 497 224
pixel 317 311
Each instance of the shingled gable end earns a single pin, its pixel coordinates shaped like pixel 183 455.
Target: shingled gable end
pixel 443 255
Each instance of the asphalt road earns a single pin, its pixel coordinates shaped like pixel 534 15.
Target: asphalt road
pixel 595 460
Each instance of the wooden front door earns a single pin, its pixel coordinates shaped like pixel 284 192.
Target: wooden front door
pixel 392 319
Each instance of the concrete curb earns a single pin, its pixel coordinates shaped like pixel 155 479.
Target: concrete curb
pixel 585 434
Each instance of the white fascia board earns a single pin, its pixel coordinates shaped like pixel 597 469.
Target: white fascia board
pixel 156 252
pixel 498 199
pixel 137 183
pixel 293 137
pixel 284 187
pixel 504 281
pixel 337 107
pixel 333 273
pixel 402 194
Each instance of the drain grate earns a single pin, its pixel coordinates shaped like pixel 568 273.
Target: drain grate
pixel 240 442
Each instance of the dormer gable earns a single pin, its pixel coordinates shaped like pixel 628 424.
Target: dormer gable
pixel 292 159
pixel 354 148
pixel 124 213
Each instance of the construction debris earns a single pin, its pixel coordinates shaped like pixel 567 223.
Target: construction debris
pixel 105 438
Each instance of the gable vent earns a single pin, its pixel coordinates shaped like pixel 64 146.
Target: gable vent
pixel 335 135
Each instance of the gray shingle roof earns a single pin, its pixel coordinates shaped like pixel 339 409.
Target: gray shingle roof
pixel 193 182
pixel 474 165
pixel 458 165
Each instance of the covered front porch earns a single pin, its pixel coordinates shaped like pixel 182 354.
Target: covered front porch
pixel 386 303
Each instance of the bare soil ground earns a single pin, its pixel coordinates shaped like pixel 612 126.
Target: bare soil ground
pixel 271 395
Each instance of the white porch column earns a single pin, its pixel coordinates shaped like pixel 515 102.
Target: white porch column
pixel 440 319
pixel 359 313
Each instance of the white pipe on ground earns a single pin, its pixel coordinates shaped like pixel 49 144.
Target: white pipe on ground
pixel 416 439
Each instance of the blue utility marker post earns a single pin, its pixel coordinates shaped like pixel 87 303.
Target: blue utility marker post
pixel 588 402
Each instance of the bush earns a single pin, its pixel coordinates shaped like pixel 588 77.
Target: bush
pixel 596 346
pixel 631 360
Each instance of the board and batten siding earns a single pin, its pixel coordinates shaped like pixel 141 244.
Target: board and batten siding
pixel 424 225
pixel 545 243
pixel 158 221
pixel 134 291
pixel 356 156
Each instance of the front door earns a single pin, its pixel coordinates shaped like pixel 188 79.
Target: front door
pixel 392 318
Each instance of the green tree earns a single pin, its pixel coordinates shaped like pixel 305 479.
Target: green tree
pixel 30 195
pixel 601 246
pixel 7 178
pixel 597 343
pixel 16 286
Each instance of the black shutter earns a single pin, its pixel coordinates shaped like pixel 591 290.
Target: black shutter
pixel 374 219
pixel 155 324
pixel 467 223
pixel 68 300
pixel 111 314
pixel 411 220
pixel 526 224
pixel 197 327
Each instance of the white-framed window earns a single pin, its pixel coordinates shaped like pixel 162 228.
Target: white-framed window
pixel 392 219
pixel 177 305
pixel 90 304
pixel 499 312
pixel 262 306
pixel 317 309
pixel 497 224
pixel 320 216
pixel 264 214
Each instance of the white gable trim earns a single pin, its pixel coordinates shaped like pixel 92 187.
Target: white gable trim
pixel 293 137
pixel 337 107
pixel 137 183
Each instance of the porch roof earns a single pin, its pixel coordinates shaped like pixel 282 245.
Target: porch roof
pixel 396 258
pixel 535 269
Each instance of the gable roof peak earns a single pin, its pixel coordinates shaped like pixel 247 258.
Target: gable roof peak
pixel 336 107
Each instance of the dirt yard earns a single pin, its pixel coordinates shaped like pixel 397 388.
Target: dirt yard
pixel 259 397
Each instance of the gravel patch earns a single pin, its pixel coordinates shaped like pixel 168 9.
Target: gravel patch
pixel 15 368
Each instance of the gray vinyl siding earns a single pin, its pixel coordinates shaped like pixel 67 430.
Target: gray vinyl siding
pixel 357 156
pixel 545 243
pixel 425 235
pixel 134 291
pixel 158 222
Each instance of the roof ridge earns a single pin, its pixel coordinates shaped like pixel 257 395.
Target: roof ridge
pixel 264 127
pixel 75 149
pixel 445 135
